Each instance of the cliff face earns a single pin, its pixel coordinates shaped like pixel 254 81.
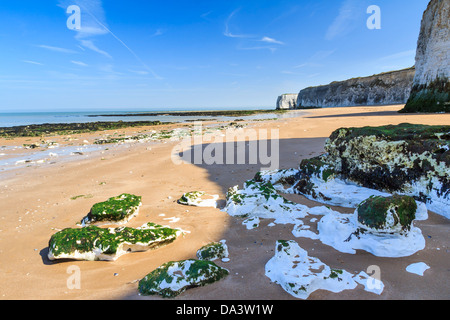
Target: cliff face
pixel 287 101
pixel 381 89
pixel 431 87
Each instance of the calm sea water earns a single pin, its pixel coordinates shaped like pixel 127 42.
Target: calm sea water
pixel 21 119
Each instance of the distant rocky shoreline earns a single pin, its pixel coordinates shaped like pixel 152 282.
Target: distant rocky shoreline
pixel 37 130
pixel 214 113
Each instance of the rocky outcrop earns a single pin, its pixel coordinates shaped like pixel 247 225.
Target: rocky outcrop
pixel 382 89
pixel 93 243
pixel 199 199
pixel 406 159
pixel 175 277
pixel 431 87
pixel 287 101
pixel 118 210
pixel 214 251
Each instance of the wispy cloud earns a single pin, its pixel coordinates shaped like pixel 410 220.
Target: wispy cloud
pixel 139 72
pixel 397 61
pixel 292 73
pixel 227 32
pixel 94 24
pixel 322 54
pixel 158 32
pixel 271 40
pixel 316 60
pixel 308 64
pixel 93 20
pixel 79 63
pixel 33 62
pixel 205 15
pixel 89 44
pixel 349 13
pixel 271 49
pixel 56 49
pixel 250 38
pixel 400 55
pixel 285 15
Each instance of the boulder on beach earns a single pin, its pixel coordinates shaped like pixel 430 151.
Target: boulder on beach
pixel 407 159
pixel 198 199
pixel 93 243
pixel 213 251
pixel 175 277
pixel 387 214
pixel 300 275
pixel 118 209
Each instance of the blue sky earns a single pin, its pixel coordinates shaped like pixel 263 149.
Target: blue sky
pixel 171 55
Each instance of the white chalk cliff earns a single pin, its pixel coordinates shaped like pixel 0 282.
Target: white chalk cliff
pixel 381 89
pixel 287 101
pixel 431 86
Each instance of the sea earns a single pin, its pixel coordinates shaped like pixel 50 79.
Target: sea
pixel 29 118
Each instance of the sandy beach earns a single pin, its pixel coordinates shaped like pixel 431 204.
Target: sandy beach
pixel 41 199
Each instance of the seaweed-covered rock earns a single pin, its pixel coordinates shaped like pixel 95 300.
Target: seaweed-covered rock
pixel 173 278
pixel 406 159
pixel 300 275
pixel 118 209
pixel 261 200
pixel 199 199
pixel 317 167
pixel 377 231
pixel 278 178
pixel 94 243
pixel 213 251
pixel 46 129
pixel 310 171
pixel 391 214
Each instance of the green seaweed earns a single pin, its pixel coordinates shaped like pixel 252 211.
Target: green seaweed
pixel 212 251
pixel 422 153
pixel 316 166
pixel 196 273
pixel 190 197
pixel 49 129
pixel 114 209
pixel 429 98
pixel 373 211
pixel 107 241
pixel 403 131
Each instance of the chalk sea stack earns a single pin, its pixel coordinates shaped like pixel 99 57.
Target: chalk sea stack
pixel 287 101
pixel 431 87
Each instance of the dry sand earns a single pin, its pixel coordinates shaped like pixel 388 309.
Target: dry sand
pixel 36 202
